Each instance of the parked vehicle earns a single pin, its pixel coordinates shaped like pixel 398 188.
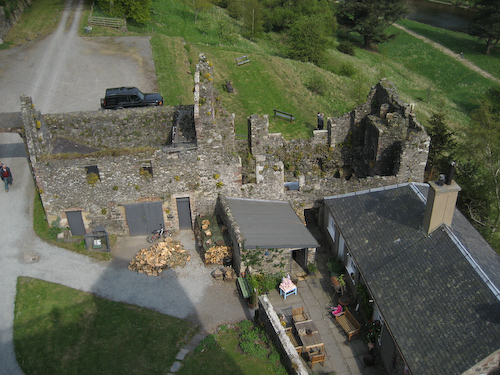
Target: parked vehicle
pixel 159 233
pixel 125 97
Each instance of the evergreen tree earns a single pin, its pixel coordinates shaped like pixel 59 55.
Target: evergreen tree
pixel 370 18
pixel 482 153
pixel 442 144
pixel 486 26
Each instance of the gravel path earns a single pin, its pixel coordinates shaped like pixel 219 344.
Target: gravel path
pixel 449 52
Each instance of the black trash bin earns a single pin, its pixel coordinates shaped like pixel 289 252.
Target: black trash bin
pixel 227 261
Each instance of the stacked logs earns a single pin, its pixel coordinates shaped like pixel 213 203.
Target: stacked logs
pixel 155 260
pixel 216 254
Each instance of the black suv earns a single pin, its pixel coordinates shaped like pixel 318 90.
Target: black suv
pixel 123 97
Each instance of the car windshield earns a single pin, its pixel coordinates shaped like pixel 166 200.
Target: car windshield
pixel 140 94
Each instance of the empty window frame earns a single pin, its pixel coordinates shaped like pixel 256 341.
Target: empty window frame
pixel 146 169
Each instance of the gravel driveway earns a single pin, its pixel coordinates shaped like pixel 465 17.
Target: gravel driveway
pixel 66 73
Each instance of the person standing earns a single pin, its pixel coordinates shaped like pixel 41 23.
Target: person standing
pixel 320 121
pixel 6 176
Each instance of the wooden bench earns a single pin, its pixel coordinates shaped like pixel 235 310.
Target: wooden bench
pixel 245 289
pixel 348 323
pixel 282 114
pixel 242 60
pixel 229 87
pixel 293 340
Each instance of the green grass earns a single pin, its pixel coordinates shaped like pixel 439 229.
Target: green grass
pixel 44 231
pixel 36 22
pixel 472 48
pixel 222 354
pixel 59 330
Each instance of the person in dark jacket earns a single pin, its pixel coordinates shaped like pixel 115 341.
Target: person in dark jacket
pixel 6 176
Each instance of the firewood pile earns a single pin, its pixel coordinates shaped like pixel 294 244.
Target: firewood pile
pixel 216 254
pixel 213 242
pixel 159 257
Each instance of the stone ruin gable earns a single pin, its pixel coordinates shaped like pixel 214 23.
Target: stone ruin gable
pixel 384 136
pixel 108 129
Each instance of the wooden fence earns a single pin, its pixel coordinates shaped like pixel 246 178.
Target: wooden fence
pixel 106 21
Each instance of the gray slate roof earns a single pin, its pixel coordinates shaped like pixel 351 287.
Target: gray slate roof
pixel 267 224
pixel 442 315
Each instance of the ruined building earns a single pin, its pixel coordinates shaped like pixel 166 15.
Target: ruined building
pixel 132 169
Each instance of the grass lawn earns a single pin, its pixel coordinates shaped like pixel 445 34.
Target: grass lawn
pixel 472 48
pixel 242 350
pixel 36 22
pixel 59 330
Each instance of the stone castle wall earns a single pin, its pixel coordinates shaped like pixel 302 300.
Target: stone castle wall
pixel 137 162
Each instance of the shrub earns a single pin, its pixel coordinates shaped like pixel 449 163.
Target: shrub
pixel 316 85
pixel 346 70
pixel 347 48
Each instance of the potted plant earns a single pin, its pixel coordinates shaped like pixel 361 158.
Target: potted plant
pixel 312 268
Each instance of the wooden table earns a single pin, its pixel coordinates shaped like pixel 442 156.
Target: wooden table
pixel 311 340
pixel 305 326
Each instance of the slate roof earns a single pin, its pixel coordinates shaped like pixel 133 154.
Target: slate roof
pixel 437 306
pixel 267 224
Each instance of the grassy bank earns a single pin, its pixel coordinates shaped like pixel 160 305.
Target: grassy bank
pixel 472 48
pixel 37 21
pixel 59 330
pixel 241 350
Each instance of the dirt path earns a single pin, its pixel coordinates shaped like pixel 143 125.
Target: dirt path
pixel 449 52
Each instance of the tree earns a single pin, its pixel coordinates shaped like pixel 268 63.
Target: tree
pixel 138 10
pixel 486 26
pixel 370 18
pixel 442 144
pixel 482 145
pixel 198 5
pixel 308 41
pixel 252 19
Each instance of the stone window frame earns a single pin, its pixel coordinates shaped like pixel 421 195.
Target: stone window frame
pixel 146 166
pixel 93 169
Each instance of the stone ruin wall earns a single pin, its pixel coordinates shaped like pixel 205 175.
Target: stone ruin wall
pixel 337 160
pixel 203 169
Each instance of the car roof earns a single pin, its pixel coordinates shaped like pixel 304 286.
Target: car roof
pixel 121 91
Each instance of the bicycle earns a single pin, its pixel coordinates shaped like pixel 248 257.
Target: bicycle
pixel 159 233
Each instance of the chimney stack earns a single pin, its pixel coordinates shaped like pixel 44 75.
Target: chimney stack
pixel 441 201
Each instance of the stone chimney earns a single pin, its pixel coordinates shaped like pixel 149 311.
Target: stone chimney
pixel 441 201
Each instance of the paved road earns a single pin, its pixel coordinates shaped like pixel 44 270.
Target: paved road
pixel 66 73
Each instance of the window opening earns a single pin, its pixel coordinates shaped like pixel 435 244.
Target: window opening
pixel 92 174
pixel 146 169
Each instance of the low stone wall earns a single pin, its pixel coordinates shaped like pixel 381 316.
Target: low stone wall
pixel 275 330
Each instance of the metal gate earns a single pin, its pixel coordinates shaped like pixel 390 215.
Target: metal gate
pixel 184 212
pixel 75 222
pixel 143 218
